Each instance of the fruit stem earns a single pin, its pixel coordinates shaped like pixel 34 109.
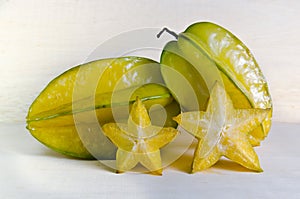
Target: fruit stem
pixel 168 31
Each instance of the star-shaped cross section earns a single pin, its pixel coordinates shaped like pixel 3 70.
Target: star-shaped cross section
pixel 139 141
pixel 222 130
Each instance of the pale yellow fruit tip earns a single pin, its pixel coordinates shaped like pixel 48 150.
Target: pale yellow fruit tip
pixel 177 118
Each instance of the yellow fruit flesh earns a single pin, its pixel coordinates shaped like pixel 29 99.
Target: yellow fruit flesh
pixel 61 134
pixel 139 141
pixel 223 130
pixel 51 116
pixel 241 75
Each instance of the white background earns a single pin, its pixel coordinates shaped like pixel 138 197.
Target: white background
pixel 41 39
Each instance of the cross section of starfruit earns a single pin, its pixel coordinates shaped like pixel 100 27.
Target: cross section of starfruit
pixel 205 46
pixel 139 141
pixel 222 130
pixel 73 105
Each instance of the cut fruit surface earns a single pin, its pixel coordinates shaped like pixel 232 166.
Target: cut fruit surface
pixel 223 130
pixel 138 141
pixel 220 56
pixel 74 105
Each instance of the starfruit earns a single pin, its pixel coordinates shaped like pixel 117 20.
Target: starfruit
pixel 139 141
pixel 222 130
pixel 206 46
pixel 64 113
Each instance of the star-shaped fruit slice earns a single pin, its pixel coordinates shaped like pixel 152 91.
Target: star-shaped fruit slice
pixel 222 130
pixel 139 141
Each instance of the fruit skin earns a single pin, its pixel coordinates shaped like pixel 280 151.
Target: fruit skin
pixel 206 46
pixel 50 118
pixel 60 90
pixel 222 130
pixel 177 73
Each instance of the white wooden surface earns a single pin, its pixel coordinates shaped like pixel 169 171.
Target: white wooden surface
pixel 40 39
pixel 30 170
